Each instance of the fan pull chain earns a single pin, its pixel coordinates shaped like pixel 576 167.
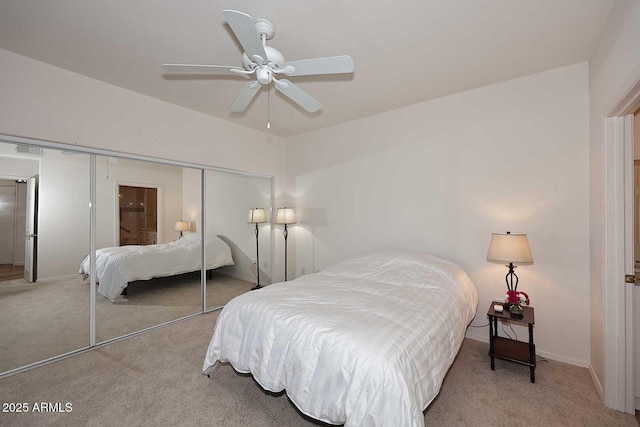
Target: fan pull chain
pixel 268 108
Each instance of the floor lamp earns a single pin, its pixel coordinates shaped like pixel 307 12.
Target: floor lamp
pixel 257 216
pixel 285 216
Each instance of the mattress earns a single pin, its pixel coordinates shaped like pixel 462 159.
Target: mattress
pixel 366 342
pixel 117 266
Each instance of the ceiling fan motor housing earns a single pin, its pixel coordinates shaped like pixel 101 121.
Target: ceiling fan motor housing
pixel 274 57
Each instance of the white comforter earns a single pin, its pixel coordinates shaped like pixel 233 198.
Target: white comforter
pixel 117 266
pixel 366 342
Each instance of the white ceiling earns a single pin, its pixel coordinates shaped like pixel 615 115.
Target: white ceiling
pixel 405 51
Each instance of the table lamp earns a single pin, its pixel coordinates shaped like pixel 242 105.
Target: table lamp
pixel 182 226
pixel 511 249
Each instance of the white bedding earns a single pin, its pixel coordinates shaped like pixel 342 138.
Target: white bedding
pixel 366 342
pixel 117 266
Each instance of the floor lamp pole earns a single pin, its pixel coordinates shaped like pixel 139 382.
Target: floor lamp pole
pixel 286 234
pixel 257 286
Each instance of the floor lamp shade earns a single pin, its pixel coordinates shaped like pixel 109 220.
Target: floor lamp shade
pixel 285 216
pixel 257 216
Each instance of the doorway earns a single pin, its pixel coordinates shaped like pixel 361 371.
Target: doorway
pixel 619 262
pixel 137 215
pixel 12 228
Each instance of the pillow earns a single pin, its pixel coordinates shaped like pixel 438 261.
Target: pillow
pixel 399 268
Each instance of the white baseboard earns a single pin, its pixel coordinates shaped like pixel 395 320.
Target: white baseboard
pixel 483 336
pixel 596 382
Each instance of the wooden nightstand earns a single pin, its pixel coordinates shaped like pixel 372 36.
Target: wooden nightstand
pixel 512 350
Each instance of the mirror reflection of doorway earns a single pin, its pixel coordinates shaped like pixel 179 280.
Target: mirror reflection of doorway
pixel 138 215
pixel 12 228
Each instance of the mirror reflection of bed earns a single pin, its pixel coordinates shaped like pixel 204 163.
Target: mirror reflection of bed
pixel 51 316
pixel 174 263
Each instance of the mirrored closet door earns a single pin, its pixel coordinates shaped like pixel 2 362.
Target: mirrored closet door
pixel 229 198
pixel 150 223
pixel 149 256
pixel 44 236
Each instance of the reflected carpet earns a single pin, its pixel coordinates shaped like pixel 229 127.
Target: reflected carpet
pixel 51 317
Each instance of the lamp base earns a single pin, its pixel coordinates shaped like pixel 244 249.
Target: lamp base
pixel 256 287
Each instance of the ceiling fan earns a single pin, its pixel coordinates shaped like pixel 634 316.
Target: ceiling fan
pixel 266 63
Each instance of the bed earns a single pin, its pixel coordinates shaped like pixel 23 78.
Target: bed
pixel 366 342
pixel 117 266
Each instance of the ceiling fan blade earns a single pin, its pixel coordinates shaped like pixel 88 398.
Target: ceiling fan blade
pixel 245 30
pixel 298 96
pixel 192 68
pixel 247 93
pixel 330 65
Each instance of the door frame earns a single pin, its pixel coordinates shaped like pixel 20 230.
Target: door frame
pixel 33 221
pixel 617 307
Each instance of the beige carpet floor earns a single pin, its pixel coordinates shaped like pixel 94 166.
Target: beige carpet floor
pixel 51 317
pixel 155 379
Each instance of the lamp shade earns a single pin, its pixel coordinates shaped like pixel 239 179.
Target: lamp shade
pixel 257 216
pixel 506 248
pixel 286 216
pixel 182 226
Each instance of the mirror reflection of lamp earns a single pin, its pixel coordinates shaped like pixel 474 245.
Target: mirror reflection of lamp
pixel 182 226
pixel 285 216
pixel 257 216
pixel 511 249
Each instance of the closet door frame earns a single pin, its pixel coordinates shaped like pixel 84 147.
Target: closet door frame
pixel 93 153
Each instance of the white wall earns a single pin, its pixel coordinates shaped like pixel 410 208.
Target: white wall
pixel 613 68
pixel 63 213
pixel 41 101
pixel 192 198
pixel 441 176
pixel 14 166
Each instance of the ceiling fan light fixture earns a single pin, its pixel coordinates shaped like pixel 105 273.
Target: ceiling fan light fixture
pixel 264 75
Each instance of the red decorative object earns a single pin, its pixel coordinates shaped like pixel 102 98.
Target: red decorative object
pixel 517 298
